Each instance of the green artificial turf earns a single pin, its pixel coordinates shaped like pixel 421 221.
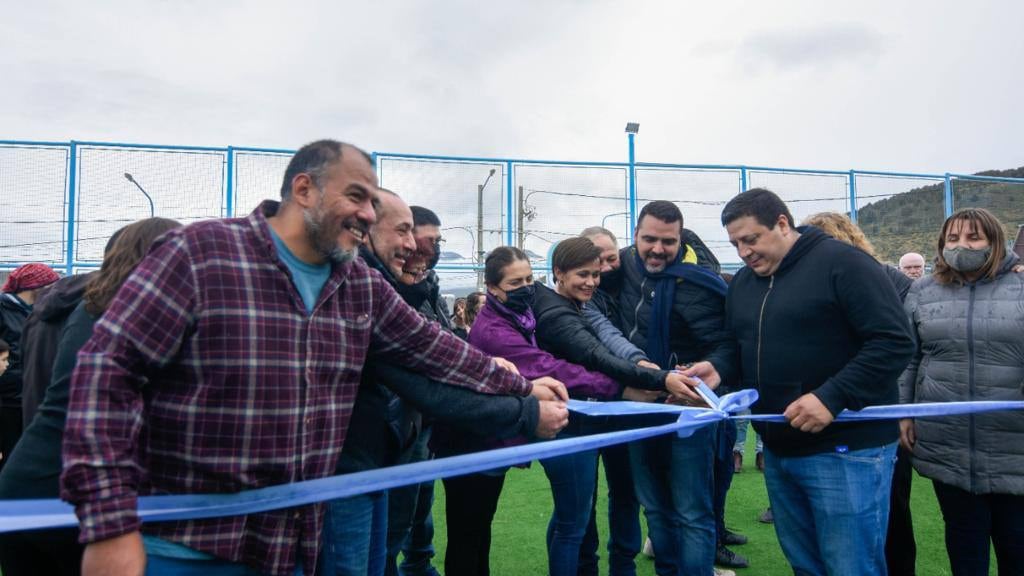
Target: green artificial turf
pixel 521 521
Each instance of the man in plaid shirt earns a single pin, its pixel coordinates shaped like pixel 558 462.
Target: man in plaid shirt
pixel 230 360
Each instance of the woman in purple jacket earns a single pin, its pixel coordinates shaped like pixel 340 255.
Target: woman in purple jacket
pixel 505 327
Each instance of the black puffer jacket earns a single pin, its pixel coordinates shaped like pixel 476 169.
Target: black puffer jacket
pixel 565 333
pixel 41 335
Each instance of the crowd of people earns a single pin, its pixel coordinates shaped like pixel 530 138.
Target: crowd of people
pixel 310 339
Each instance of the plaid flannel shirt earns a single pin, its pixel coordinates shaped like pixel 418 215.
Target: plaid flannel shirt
pixel 207 375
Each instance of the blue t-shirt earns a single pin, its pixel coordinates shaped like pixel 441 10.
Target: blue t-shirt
pixel 309 279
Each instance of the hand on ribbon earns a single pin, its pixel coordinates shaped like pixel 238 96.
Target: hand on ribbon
pixel 552 418
pixel 808 414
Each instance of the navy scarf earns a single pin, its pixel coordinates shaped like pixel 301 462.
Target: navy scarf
pixel 658 349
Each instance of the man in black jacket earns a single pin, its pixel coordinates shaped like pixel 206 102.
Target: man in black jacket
pixel 385 419
pixel 410 520
pixel 820 329
pixel 674 310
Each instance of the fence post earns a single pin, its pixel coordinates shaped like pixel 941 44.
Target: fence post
pixel 743 179
pixel 69 254
pixel 229 185
pixel 949 196
pixel 509 191
pixel 632 185
pixel 853 196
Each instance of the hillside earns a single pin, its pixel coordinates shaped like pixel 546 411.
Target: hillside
pixel 910 222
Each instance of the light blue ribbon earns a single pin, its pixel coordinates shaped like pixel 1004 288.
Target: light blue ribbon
pixel 37 514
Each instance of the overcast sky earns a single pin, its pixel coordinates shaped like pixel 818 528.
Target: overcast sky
pixel 912 86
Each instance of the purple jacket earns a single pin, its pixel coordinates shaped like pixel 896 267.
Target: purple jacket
pixel 498 331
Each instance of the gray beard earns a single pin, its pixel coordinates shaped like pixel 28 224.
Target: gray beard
pixel 324 245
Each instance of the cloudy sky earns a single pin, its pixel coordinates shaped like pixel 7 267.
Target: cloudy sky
pixel 914 86
pixel 875 85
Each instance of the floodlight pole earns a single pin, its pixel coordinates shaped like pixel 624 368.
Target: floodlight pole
pixel 480 231
pixel 631 131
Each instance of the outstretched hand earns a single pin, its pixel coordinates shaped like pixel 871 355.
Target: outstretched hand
pixel 552 418
pixel 501 362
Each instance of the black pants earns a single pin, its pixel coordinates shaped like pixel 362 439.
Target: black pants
pixel 10 428
pixel 55 552
pixel 972 520
pixel 900 547
pixel 470 503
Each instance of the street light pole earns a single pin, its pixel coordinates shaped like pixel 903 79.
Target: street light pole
pixel 152 211
pixel 480 231
pixel 631 129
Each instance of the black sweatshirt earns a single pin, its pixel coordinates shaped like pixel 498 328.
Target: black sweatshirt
pixel 829 321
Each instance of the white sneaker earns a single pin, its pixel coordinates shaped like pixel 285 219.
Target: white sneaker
pixel 723 572
pixel 648 549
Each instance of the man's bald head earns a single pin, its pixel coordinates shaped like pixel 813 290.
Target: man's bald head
pixel 391 236
pixel 912 265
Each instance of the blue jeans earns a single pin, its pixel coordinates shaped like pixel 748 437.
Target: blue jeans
pixel 355 536
pixel 674 481
pixel 741 436
pixel 418 549
pixel 832 509
pixel 164 566
pixel 624 537
pixel 724 471
pixel 573 483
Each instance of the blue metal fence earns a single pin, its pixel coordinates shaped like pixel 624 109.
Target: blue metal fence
pixel 60 201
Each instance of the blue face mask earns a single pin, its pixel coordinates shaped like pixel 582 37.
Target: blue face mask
pixel 520 299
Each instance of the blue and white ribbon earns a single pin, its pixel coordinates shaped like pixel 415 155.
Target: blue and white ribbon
pixel 37 514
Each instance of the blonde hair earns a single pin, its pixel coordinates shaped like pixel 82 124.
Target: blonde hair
pixel 840 227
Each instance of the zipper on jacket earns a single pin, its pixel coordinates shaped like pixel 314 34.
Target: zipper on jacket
pixel 970 379
pixel 760 328
pixel 636 311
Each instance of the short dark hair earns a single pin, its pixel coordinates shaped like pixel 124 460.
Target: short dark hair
pixel 497 260
pixel 662 210
pixel 424 216
pixel 761 203
pixel 572 253
pixel 315 159
pixel 4 346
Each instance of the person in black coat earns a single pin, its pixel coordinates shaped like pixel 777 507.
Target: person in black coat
pixel 820 329
pixel 41 334
pixel 35 465
pixel 19 294
pixel 387 421
pixel 671 300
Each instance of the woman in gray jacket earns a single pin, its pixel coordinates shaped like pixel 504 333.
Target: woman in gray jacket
pixel 968 319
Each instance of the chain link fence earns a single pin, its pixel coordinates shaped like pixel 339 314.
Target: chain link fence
pixel 60 201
